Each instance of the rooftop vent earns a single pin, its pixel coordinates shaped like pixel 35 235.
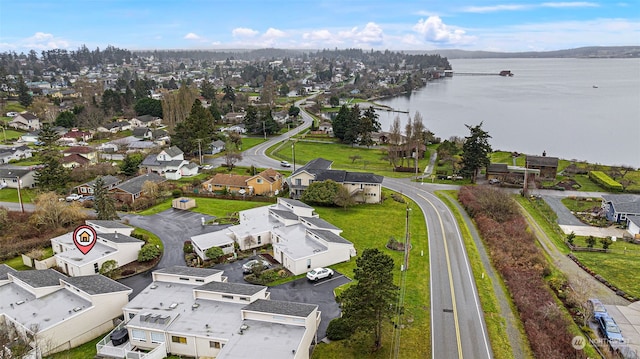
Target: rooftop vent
pixel 173 305
pixel 77 309
pixel 145 317
pixel 153 286
pixel 195 305
pixel 163 319
pixel 20 302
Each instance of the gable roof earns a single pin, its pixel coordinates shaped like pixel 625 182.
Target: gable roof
pixel 134 185
pixel 623 203
pixel 498 168
pixel 147 118
pixel 14 172
pixel 315 165
pixel 79 149
pixel 108 180
pixel 28 116
pixel 269 174
pixel 96 284
pixel 140 131
pixel 74 157
pixel 173 151
pixel 541 161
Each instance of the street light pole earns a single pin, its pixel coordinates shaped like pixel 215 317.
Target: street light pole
pixel 293 154
pixel 19 195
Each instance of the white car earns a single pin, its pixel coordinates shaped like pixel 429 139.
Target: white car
pixel 3 185
pixel 285 164
pixel 320 273
pixel 73 197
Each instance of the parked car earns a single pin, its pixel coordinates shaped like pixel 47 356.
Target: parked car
pixel 596 308
pixel 320 273
pixel 494 181
pixel 73 197
pixel 609 329
pixel 3 185
pixel 87 198
pixel 285 164
pixel 248 267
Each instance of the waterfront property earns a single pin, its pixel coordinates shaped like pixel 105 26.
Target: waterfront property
pixel 618 207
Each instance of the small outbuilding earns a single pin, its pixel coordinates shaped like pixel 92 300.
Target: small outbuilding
pixel 183 203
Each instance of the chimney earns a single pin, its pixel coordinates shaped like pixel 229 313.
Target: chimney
pixel 544 153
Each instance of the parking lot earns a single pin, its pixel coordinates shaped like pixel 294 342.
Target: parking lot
pixel 300 290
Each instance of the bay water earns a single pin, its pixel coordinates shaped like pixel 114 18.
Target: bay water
pixel 575 109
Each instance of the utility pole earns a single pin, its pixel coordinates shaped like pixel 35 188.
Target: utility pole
pixel 293 154
pixel 199 140
pixel 19 195
pixel 407 242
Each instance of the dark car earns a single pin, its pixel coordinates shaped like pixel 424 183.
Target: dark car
pixel 119 336
pixel 609 329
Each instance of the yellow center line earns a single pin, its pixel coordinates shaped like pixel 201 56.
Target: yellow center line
pixel 453 292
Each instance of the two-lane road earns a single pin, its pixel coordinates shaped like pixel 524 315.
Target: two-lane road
pixel 458 328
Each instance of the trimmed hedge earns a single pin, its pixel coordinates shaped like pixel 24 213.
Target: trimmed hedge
pixel 604 180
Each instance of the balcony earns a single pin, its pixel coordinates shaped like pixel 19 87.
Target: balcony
pixel 105 348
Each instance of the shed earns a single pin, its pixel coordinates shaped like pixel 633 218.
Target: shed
pixel 183 203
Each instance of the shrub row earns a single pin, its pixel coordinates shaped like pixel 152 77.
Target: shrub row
pixel 604 180
pixel 519 260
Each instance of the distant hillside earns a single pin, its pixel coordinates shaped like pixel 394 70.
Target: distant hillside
pixel 581 52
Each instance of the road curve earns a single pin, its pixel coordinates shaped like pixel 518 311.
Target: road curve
pixel 458 328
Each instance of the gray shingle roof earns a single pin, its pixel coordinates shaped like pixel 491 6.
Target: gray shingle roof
pixel 4 269
pixel 498 167
pixel 96 284
pixel 280 307
pixel 314 165
pixel 13 172
pixel 140 131
pixel 108 181
pixel 295 202
pixel 146 118
pixel 334 175
pixel 285 214
pixel 173 151
pixel 231 288
pixel 329 236
pixel 134 185
pixel 320 223
pixel 542 161
pixel 633 219
pixel 119 238
pixel 624 203
pixel 188 271
pixel 39 278
pixel 363 177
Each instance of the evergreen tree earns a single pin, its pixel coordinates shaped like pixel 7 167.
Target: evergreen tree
pixel 207 90
pixel 103 203
pixel 24 97
pixel 251 121
pixel 129 165
pixel 352 132
pixel 368 124
pixel 339 124
pixel 475 152
pixel 148 106
pixel 66 119
pixel 368 303
pixel 198 126
pixel 51 176
pixel 271 126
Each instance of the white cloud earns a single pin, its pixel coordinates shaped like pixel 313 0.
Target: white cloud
pixel 372 34
pixel 274 33
pixel 44 41
pixel 318 35
pixel 494 8
pixel 244 32
pixel 191 36
pixel 569 4
pixel 434 30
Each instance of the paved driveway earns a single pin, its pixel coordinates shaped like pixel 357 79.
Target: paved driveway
pixel 565 217
pixel 300 290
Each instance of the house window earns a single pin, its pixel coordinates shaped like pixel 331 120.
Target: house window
pixel 309 263
pixel 259 180
pixel 227 296
pixel 259 239
pixel 179 340
pixel 96 268
pixel 298 182
pixel 214 344
pixel 138 335
pixel 157 337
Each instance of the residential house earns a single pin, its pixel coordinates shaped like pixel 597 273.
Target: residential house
pixel 8 154
pixel 144 133
pixel 235 128
pixel 266 183
pixel 74 160
pixel 25 121
pixel 110 182
pixel 111 245
pixel 56 312
pixel 141 146
pixel 216 146
pixel 497 171
pixel 511 174
pixel 281 117
pixel 300 239
pixel 170 163
pixel 363 187
pixel 76 135
pixel 85 151
pixel 31 137
pixel 326 128
pixel 618 207
pixel 131 190
pixel 633 226
pixel 115 127
pixel 548 166
pixel 194 312
pixel 9 176
pixel 145 121
pixel 234 117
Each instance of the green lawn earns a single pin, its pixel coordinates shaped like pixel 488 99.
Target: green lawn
pixel 11 195
pixel 248 142
pixel 362 226
pixel 86 350
pixel 505 157
pixel 581 204
pixel 211 206
pixel 10 134
pixel 587 185
pixel 371 159
pixel 615 267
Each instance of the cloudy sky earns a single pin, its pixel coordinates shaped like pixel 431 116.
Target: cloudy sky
pixel 497 25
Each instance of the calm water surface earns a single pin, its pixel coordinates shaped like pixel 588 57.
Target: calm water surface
pixel 585 109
